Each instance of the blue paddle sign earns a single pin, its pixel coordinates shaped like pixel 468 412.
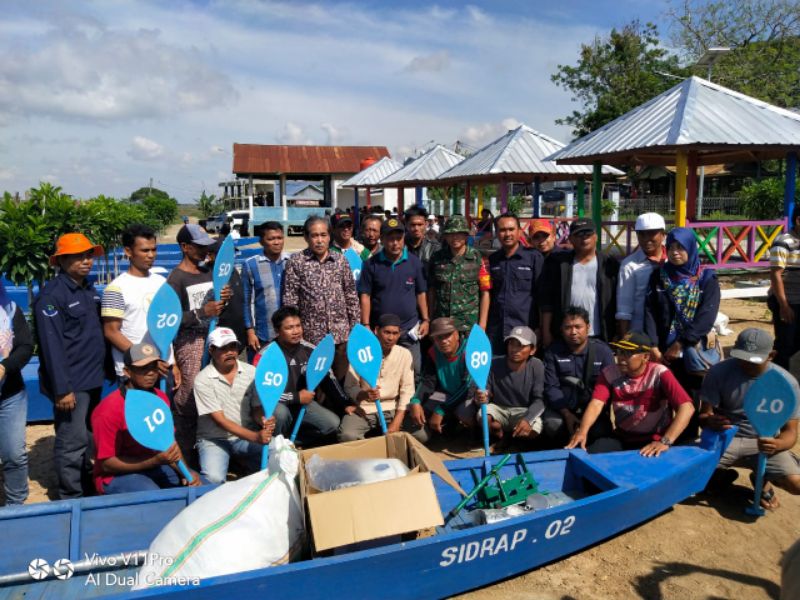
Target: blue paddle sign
pixel 355 262
pixel 163 321
pixel 768 404
pixel 365 354
pixel 271 376
pixel 319 363
pixel 149 422
pixel 478 355
pixel 224 263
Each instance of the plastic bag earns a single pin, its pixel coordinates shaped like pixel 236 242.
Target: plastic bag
pixel 327 475
pixel 251 523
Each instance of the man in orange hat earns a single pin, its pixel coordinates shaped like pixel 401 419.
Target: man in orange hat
pixel 71 354
pixel 541 236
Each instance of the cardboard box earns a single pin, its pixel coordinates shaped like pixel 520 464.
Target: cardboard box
pixel 375 510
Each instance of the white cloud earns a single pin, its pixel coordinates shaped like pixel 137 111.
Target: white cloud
pixel 143 148
pixel 93 73
pixel 481 134
pixel 334 136
pixel 438 61
pixel 293 133
pixel 7 174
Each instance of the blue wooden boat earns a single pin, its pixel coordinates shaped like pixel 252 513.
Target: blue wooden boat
pixel 613 492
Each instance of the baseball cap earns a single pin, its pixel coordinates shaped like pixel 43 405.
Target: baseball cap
pixel 74 243
pixel 538 226
pixel 341 219
pixel 140 354
pixel 442 326
pixel 581 225
pixel 524 335
pixel 649 222
pixel 194 234
pixel 392 224
pixel 221 337
pixel 753 345
pixel 634 340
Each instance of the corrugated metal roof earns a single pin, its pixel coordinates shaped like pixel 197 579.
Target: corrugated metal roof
pixel 259 159
pixel 520 152
pixel 425 168
pixel 694 112
pixel 374 173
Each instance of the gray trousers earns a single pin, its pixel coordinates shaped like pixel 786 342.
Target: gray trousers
pixel 355 427
pixel 72 453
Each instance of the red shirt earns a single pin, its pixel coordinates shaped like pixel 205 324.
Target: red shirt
pixel 111 437
pixel 642 405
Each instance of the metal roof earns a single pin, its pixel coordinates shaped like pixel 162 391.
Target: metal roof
pixel 521 154
pixel 373 173
pixel 423 169
pixel 720 124
pixel 260 159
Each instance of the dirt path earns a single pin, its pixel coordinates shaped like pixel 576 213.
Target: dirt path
pixel 704 548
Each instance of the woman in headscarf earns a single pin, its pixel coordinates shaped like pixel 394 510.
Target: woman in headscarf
pixel 16 347
pixel 681 307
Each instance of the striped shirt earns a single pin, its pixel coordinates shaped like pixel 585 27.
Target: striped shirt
pixel 785 255
pixel 262 281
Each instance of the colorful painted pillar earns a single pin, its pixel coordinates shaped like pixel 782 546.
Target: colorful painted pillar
pixel 691 188
pixel 503 196
pixel 467 200
pixel 479 208
pixel 356 214
pixel 597 199
pixel 419 196
pixel 580 191
pixel 791 186
pixel 537 183
pixel 680 189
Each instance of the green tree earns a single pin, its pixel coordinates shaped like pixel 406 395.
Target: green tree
pixel 25 242
pixel 209 205
pixel 615 74
pixel 761 200
pixel 764 38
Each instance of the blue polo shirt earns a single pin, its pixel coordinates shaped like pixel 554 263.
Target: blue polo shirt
pixel 71 344
pixel 393 287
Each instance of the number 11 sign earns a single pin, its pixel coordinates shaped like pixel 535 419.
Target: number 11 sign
pixel 769 403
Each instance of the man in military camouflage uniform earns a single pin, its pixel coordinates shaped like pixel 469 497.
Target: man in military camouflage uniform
pixel 784 293
pixel 458 279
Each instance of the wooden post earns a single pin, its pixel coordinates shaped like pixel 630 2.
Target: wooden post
pixel 479 208
pixel 580 191
pixel 537 182
pixel 680 190
pixel 454 201
pixel 691 200
pixel 791 184
pixel 369 197
pixel 401 200
pixel 597 199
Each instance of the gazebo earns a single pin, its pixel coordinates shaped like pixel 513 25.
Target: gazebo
pixel 420 172
pixel 692 124
pixel 368 178
pixel 520 155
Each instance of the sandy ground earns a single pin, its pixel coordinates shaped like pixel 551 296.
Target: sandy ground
pixel 704 548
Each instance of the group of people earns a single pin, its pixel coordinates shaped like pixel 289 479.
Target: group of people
pixel 587 352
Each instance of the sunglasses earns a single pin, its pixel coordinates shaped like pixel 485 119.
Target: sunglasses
pixel 584 233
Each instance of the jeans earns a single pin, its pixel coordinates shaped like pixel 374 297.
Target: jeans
pixel 14 456
pixel 216 454
pixel 73 448
pixel 318 424
pixel 156 478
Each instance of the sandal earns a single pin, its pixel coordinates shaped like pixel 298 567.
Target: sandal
pixel 769 501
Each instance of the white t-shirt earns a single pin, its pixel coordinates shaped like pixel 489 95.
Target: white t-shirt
pixel 128 297
pixel 584 291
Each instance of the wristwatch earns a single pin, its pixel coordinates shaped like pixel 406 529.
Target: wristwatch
pixel 666 441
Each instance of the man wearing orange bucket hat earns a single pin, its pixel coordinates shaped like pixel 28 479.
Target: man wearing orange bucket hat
pixel 71 354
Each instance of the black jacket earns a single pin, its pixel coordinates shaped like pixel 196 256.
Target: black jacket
pixel 556 286
pixel 659 310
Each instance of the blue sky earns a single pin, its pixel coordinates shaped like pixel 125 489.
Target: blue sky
pixel 98 97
